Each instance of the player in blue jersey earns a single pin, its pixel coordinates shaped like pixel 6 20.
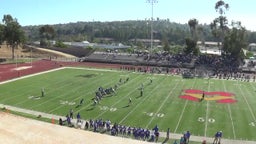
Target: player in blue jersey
pixel 217 138
pixel 187 136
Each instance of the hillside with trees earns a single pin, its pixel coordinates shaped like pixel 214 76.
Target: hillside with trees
pixel 119 31
pixel 123 31
pixel 231 36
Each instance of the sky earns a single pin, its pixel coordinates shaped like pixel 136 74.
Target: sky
pixel 40 12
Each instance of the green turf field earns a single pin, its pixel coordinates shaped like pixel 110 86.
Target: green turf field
pixel 160 103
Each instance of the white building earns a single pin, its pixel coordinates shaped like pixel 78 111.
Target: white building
pixel 209 47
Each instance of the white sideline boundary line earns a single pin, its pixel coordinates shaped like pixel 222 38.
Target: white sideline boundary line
pixel 39 73
pixel 182 113
pixel 27 76
pixel 230 114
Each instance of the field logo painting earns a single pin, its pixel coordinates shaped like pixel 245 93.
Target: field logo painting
pixel 218 96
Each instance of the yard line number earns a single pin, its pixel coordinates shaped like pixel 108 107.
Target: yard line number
pixel 151 114
pixel 252 124
pixel 106 108
pixel 210 120
pixel 67 102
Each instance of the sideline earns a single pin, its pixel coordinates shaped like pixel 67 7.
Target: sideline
pixel 162 134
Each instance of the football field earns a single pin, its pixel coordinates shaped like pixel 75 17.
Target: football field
pixel 156 99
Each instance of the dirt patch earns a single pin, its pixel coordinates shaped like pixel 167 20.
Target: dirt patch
pixel 26 52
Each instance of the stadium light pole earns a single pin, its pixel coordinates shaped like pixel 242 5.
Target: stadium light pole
pixel 152 2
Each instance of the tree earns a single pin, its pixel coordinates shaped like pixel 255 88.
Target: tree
pixel 219 24
pixel 1 33
pixel 221 7
pixel 201 32
pixel 192 42
pixel 12 33
pixel 235 40
pixel 166 44
pixel 60 44
pixel 193 28
pixel 190 46
pixel 46 33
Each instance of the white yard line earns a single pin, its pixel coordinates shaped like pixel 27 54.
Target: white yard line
pixel 121 99
pixel 207 111
pixel 57 117
pixel 56 97
pixel 162 104
pixel 230 114
pixel 27 76
pixel 78 98
pixel 232 122
pixel 84 107
pixel 94 69
pixel 252 86
pixel 182 113
pixel 206 119
pixel 145 98
pixel 48 91
pixel 249 107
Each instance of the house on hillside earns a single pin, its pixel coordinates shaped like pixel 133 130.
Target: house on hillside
pixel 252 47
pixel 105 40
pixel 146 42
pixel 209 47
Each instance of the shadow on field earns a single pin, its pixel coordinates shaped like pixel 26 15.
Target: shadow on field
pixel 90 109
pixel 125 106
pixel 138 97
pixel 165 141
pixel 87 75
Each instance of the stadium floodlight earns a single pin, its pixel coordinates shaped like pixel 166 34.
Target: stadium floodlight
pixel 152 2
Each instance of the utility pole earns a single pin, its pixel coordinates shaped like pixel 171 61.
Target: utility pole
pixel 152 2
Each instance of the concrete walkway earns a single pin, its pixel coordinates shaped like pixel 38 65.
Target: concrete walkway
pixel 162 134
